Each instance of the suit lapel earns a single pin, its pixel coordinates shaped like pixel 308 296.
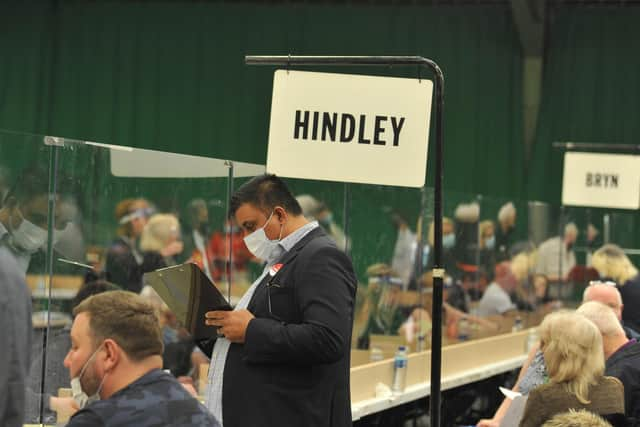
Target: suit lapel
pixel 286 258
pixel 293 252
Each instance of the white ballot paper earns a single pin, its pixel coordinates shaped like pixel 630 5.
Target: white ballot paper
pixel 514 414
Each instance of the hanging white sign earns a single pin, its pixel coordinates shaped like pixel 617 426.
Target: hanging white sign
pixel 601 180
pixel 349 128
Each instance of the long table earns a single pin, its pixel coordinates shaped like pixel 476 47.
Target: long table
pixel 463 363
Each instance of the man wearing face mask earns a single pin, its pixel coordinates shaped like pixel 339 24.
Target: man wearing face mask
pixel 115 363
pixel 283 355
pixel 23 217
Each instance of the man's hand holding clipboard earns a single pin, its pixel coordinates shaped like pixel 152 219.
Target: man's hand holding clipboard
pixel 231 324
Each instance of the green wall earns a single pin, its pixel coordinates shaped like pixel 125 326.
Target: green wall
pixel 591 93
pixel 170 75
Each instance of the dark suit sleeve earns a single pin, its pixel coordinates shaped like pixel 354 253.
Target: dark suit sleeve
pixel 325 287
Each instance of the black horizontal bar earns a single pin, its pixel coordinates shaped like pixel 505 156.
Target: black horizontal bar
pixel 596 146
pixel 336 60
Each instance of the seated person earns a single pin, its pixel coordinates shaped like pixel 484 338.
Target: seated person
pixel 534 372
pixel 573 353
pixel 579 418
pixel 621 353
pixel 160 242
pixel 524 296
pixel 383 301
pixel 611 262
pixel 56 377
pixel 496 299
pixel 420 318
pixel 115 362
pixel 123 264
pixel 608 294
pixel 178 344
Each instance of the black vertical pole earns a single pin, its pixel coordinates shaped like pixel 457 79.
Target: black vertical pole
pixel 438 269
pixel 229 263
pixel 51 221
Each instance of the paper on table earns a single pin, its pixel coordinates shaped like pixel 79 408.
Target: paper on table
pixel 509 393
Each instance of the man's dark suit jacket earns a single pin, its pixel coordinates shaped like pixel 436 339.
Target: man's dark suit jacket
pixel 624 364
pixel 293 369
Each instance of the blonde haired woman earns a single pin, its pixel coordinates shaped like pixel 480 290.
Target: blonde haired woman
pixel 572 349
pixel 611 262
pixel 160 241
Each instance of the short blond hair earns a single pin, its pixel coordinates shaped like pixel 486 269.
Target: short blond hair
pixel 603 317
pixel 506 212
pixel 573 354
pixel 610 261
pixel 158 232
pixel 127 319
pixel 573 418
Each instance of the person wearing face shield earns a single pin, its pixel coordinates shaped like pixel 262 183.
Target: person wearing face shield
pixel 124 257
pixel 115 364
pixel 282 355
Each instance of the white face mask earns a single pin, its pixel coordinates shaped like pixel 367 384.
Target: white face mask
pixel 259 244
pixel 490 243
pixel 79 395
pixel 448 241
pixel 29 236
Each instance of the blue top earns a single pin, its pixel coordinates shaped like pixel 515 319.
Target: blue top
pixel 155 399
pixel 536 374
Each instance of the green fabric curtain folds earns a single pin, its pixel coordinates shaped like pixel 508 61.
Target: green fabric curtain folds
pixel 170 76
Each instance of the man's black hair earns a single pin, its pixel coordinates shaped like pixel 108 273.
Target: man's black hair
pixel 265 192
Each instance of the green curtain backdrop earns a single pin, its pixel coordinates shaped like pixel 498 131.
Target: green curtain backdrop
pixel 170 75
pixel 591 93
